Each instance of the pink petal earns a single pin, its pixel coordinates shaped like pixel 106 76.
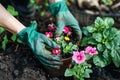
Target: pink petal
pixel 79 57
pixel 90 50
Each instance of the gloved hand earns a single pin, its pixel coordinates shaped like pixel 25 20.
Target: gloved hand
pixel 64 18
pixel 37 42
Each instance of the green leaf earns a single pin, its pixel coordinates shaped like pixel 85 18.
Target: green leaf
pixel 115 54
pixel 100 47
pixel 88 57
pixel 1 30
pixel 110 33
pixel 69 48
pixel 68 73
pixel 99 60
pixel 88 41
pixel 108 2
pixel 19 41
pixel 12 11
pixel 107 44
pixel 42 13
pixel 87 73
pixel 64 44
pixel 90 29
pixel 106 55
pixel 74 47
pixel 99 24
pixel 4 42
pixel 32 1
pixel 97 37
pixel 109 21
pixel 85 31
pixel 13 38
pixel 116 41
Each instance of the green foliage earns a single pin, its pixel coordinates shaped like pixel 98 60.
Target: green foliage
pixel 1 30
pixel 4 42
pixel 12 10
pixel 79 71
pixel 33 1
pixel 66 47
pixel 108 2
pixel 42 13
pixel 69 48
pixel 13 37
pixel 106 38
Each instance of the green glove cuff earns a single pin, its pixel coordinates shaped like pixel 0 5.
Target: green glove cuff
pixel 24 34
pixel 57 7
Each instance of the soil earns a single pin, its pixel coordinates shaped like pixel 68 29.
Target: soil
pixel 19 63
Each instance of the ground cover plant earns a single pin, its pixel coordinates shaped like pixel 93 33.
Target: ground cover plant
pixel 105 38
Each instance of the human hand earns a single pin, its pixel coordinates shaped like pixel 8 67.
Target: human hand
pixel 37 42
pixel 64 18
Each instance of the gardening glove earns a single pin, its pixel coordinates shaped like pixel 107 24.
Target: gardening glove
pixel 37 42
pixel 64 18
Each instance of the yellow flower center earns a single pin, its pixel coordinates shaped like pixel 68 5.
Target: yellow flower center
pixel 67 38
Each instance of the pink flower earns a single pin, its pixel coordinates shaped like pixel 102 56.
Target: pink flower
pixel 66 29
pixel 90 50
pixel 79 57
pixel 51 27
pixel 57 38
pixel 49 34
pixel 56 51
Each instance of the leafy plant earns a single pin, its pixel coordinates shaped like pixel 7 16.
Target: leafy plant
pixel 12 11
pixel 81 68
pixel 105 38
pixel 79 71
pixel 65 41
pixel 13 37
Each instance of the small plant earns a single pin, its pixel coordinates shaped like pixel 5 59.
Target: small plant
pixel 65 40
pixel 81 68
pixel 5 40
pixel 106 39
